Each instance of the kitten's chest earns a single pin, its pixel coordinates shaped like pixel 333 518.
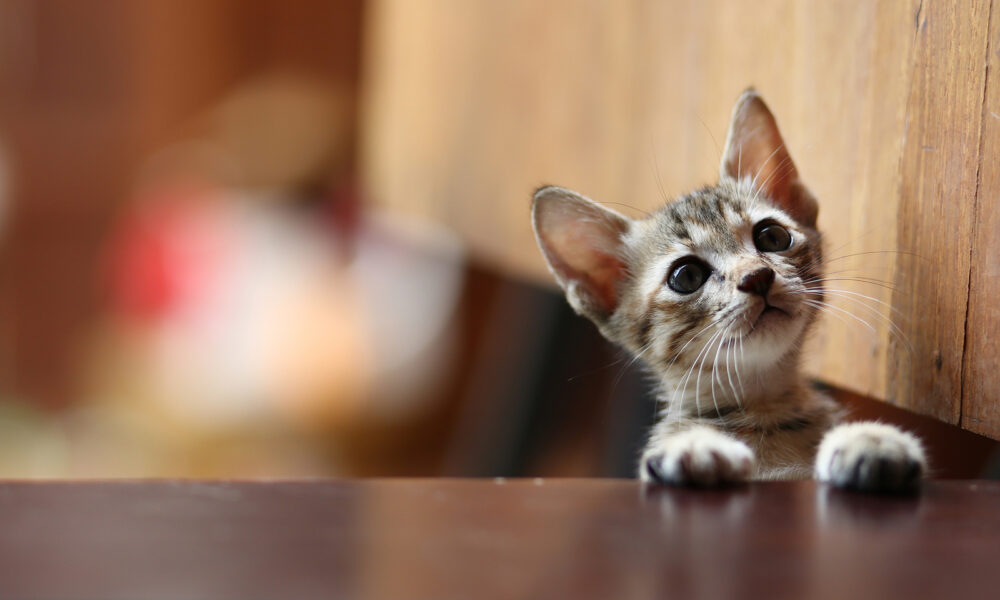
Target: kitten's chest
pixel 786 449
pixel 785 454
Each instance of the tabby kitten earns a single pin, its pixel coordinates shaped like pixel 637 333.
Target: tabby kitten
pixel 714 293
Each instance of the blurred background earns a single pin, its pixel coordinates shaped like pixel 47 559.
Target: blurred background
pixel 194 280
pixel 230 247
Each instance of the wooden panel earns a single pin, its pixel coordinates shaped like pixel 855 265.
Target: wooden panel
pixel 472 106
pixel 939 167
pixel 981 383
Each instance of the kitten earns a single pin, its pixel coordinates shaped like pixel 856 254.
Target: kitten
pixel 715 292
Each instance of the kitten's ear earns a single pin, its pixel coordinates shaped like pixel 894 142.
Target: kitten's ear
pixel 754 149
pixel 583 244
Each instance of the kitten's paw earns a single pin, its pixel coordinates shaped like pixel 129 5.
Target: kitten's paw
pixel 871 457
pixel 698 456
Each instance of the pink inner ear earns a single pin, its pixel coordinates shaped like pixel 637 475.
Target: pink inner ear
pixel 755 149
pixel 606 278
pixel 596 268
pixel 582 243
pixel 585 251
pixel 774 172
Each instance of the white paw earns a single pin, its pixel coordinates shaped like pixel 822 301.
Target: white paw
pixel 698 456
pixel 871 457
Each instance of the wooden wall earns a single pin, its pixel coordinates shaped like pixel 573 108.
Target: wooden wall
pixel 887 108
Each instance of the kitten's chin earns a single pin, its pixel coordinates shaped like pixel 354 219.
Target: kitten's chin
pixel 768 321
pixel 769 317
pixel 772 333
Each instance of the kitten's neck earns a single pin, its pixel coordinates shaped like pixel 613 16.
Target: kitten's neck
pixel 749 388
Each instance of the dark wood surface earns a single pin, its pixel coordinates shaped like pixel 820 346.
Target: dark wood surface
pixel 494 539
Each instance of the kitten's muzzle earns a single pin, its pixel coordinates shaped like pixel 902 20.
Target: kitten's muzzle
pixel 766 314
pixel 759 282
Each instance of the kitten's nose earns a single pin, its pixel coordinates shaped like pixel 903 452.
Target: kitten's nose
pixel 758 282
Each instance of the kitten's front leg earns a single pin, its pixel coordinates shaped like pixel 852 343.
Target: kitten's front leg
pixel 871 457
pixel 698 455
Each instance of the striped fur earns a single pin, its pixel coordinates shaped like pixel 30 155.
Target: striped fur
pixel 733 402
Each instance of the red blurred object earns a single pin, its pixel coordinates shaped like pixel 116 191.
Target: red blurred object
pixel 165 251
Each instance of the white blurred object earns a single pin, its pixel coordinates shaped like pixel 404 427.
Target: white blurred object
pixel 268 323
pixel 273 326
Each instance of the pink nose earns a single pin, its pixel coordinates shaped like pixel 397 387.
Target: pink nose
pixel 758 282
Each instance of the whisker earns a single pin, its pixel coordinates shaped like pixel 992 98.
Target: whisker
pixel 697 383
pixel 613 363
pixel 678 355
pixel 837 316
pixel 838 292
pixel 849 275
pixel 739 377
pixel 634 359
pixel 894 329
pixel 715 366
pixel 820 304
pixel 867 280
pixel 690 371
pixel 852 241
pixel 827 261
pixel 777 170
pixel 683 382
pixel 856 270
pixel 656 174
pixel 681 351
pixel 715 142
pixel 635 208
pixel 731 349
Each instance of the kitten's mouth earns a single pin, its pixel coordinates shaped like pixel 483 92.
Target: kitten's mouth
pixel 766 316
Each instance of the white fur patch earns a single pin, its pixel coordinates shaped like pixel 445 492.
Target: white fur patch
pixel 699 456
pixel 871 457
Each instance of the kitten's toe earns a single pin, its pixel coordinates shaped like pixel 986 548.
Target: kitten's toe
pixel 699 456
pixel 871 457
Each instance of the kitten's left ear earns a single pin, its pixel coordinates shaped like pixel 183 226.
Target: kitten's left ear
pixel 583 242
pixel 754 149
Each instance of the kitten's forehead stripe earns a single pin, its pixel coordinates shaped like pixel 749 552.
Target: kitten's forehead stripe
pixel 679 230
pixel 704 217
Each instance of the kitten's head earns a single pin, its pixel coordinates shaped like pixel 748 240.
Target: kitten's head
pixel 733 265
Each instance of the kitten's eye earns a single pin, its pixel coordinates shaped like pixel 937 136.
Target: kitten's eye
pixel 768 236
pixel 687 275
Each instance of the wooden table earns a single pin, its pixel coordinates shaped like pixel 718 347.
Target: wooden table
pixel 493 539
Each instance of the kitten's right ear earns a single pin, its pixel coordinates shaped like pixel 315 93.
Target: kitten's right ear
pixel 755 149
pixel 584 246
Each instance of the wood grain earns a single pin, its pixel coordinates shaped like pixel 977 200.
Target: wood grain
pixel 936 206
pixel 981 380
pixel 483 539
pixel 469 107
